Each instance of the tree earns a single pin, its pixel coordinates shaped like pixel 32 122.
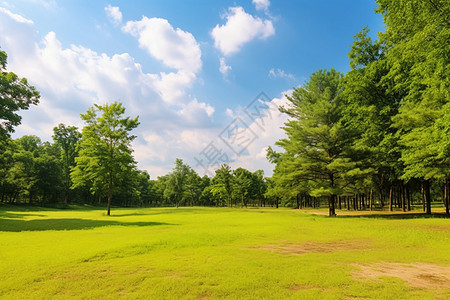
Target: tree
pixel 370 104
pixel 15 94
pixel 242 185
pixel 67 138
pixel 417 36
pixel 194 186
pixel 221 185
pixel 318 146
pixel 176 185
pixel 105 153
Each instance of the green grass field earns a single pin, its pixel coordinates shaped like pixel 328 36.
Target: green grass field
pixel 201 253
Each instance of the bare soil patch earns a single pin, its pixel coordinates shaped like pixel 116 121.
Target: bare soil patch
pixel 316 247
pixel 298 287
pixel 419 275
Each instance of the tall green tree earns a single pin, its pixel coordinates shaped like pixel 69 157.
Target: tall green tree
pixel 15 94
pixel 222 186
pixel 176 187
pixel 243 185
pixel 318 146
pixel 105 153
pixel 67 138
pixel 370 104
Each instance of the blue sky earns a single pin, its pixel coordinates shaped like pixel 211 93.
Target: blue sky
pixel 187 68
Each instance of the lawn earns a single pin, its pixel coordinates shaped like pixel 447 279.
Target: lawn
pixel 201 253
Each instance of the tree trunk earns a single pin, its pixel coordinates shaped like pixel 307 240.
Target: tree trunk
pixel 390 198
pixel 331 200
pixel 276 202
pixel 403 197
pixel 371 199
pixel 408 197
pixel 422 191
pixel 109 193
pixel 426 187
pixel 298 201
pixel 447 196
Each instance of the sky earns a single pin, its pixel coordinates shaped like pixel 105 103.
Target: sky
pixel 206 78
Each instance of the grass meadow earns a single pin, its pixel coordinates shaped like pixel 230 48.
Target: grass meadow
pixel 209 253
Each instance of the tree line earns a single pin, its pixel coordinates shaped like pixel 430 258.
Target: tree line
pixel 378 136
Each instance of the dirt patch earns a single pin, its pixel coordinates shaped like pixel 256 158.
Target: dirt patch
pixel 299 287
pixel 204 295
pixel 419 275
pixel 316 247
pixel 438 228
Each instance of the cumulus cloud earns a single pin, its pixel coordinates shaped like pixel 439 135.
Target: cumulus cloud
pixel 114 14
pixel 224 68
pixel 278 73
pixel 239 29
pixel 176 48
pixel 261 4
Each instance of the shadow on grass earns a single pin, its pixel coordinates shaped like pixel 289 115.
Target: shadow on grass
pixel 14 225
pixel 7 214
pixel 398 216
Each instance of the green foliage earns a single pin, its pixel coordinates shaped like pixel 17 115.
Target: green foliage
pixel 15 94
pixel 177 183
pixel 317 147
pixel 105 158
pixel 221 186
pixel 67 137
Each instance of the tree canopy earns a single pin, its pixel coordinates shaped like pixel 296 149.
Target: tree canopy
pixel 15 94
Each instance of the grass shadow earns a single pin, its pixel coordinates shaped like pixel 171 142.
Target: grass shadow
pixel 7 214
pixel 15 225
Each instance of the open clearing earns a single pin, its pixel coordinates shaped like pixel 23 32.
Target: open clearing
pixel 208 253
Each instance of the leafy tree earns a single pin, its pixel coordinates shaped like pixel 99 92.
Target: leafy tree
pixel 177 181
pixel 48 172
pixel 194 186
pixel 259 186
pixel 222 186
pixel 15 94
pixel 369 107
pixel 105 153
pixel 67 138
pixel 318 146
pixel 242 185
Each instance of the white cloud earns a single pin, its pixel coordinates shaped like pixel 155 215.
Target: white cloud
pixel 261 4
pixel 268 131
pixel 229 113
pixel 197 112
pixel 239 29
pixel 177 49
pixel 171 86
pixel 278 73
pixel 114 13
pixel 15 17
pixel 224 68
